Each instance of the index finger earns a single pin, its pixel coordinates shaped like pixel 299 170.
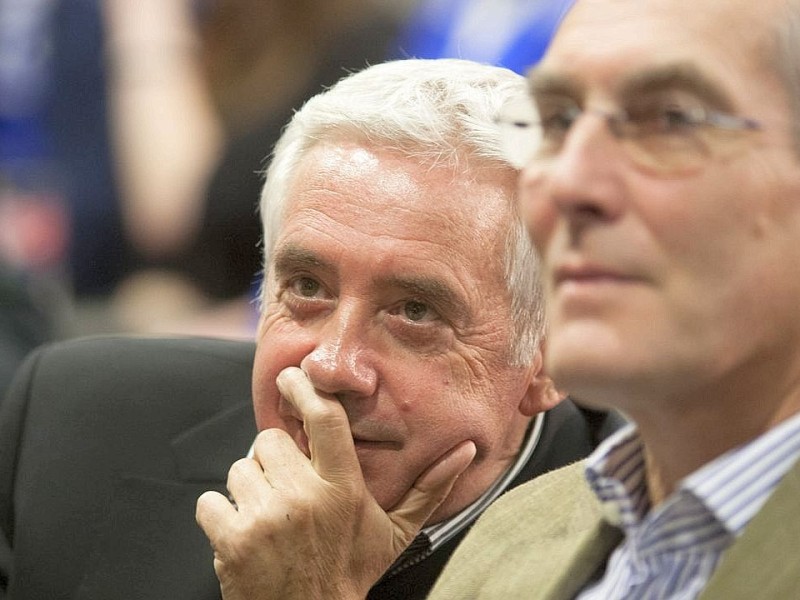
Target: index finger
pixel 330 440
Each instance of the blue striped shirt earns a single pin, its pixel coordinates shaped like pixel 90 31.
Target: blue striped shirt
pixel 672 550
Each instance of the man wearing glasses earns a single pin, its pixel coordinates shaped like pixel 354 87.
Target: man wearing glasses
pixel 664 197
pixel 425 341
pixel 661 186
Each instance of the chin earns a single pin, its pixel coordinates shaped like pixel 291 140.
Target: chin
pixel 585 346
pixel 587 378
pixel 386 484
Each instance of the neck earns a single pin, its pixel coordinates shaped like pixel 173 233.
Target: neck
pixel 682 435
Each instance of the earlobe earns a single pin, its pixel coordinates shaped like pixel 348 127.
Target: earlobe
pixel 541 393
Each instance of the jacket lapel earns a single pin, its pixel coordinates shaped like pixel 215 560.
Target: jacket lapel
pixel 151 548
pixel 591 551
pixel 765 561
pixel 564 549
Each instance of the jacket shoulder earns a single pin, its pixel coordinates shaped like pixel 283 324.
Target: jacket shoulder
pixel 87 370
pixel 522 538
pixel 105 444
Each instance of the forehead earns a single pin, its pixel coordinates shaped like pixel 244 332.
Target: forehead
pixel 387 193
pixel 362 200
pixel 601 43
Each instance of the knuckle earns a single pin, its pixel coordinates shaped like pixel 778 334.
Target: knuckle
pixel 270 436
pixel 204 509
pixel 329 417
pixel 244 539
pixel 239 469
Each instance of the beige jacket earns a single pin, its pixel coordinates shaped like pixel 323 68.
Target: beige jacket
pixel 547 538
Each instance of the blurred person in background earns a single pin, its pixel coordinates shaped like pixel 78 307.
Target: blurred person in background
pixel 425 337
pixel 139 130
pixel 56 181
pixel 198 96
pixel 509 33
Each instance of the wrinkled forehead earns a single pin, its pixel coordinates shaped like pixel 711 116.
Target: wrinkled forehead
pixel 602 41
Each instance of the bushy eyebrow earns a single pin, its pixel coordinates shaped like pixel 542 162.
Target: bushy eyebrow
pixel 291 257
pixel 676 76
pixel 543 82
pixel 681 75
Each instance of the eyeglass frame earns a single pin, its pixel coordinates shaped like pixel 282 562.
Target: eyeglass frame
pixel 616 121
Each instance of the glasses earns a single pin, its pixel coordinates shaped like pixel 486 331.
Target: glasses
pixel 658 135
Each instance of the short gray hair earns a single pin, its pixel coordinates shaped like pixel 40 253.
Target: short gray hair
pixel 786 58
pixel 438 112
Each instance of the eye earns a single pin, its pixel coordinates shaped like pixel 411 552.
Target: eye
pixel 305 287
pixel 670 115
pixel 556 118
pixel 416 311
pixel 419 325
pixel 305 296
pixel 558 122
pixel 676 117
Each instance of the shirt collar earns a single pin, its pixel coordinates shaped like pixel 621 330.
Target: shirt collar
pixel 615 472
pixel 736 485
pixel 733 486
pixel 441 532
pixel 434 536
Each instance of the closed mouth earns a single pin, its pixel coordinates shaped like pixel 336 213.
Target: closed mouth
pixel 590 274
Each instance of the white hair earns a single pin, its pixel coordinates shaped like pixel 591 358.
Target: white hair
pixel 438 112
pixel 784 57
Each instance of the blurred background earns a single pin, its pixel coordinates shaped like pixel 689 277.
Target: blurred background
pixel 134 134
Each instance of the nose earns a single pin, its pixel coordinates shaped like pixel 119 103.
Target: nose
pixel 584 180
pixel 340 364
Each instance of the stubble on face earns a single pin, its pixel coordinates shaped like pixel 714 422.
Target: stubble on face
pixel 674 229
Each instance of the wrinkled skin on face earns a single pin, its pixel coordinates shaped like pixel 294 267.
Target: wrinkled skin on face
pixel 386 288
pixel 673 298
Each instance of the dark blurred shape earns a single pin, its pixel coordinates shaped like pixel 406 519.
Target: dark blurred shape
pixel 26 322
pixel 225 257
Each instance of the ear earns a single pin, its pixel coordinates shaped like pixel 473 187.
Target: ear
pixel 541 394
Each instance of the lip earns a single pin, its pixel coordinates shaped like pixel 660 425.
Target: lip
pixel 581 289
pixel 370 438
pixel 361 444
pixel 584 274
pixel 367 433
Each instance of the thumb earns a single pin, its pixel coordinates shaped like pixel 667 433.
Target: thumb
pixel 428 492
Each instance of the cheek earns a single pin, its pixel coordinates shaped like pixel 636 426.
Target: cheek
pixel 537 213
pixel 707 230
pixel 265 395
pixel 427 396
pixel 464 403
pixel 277 349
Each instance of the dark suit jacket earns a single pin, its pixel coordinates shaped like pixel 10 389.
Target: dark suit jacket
pixel 105 445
